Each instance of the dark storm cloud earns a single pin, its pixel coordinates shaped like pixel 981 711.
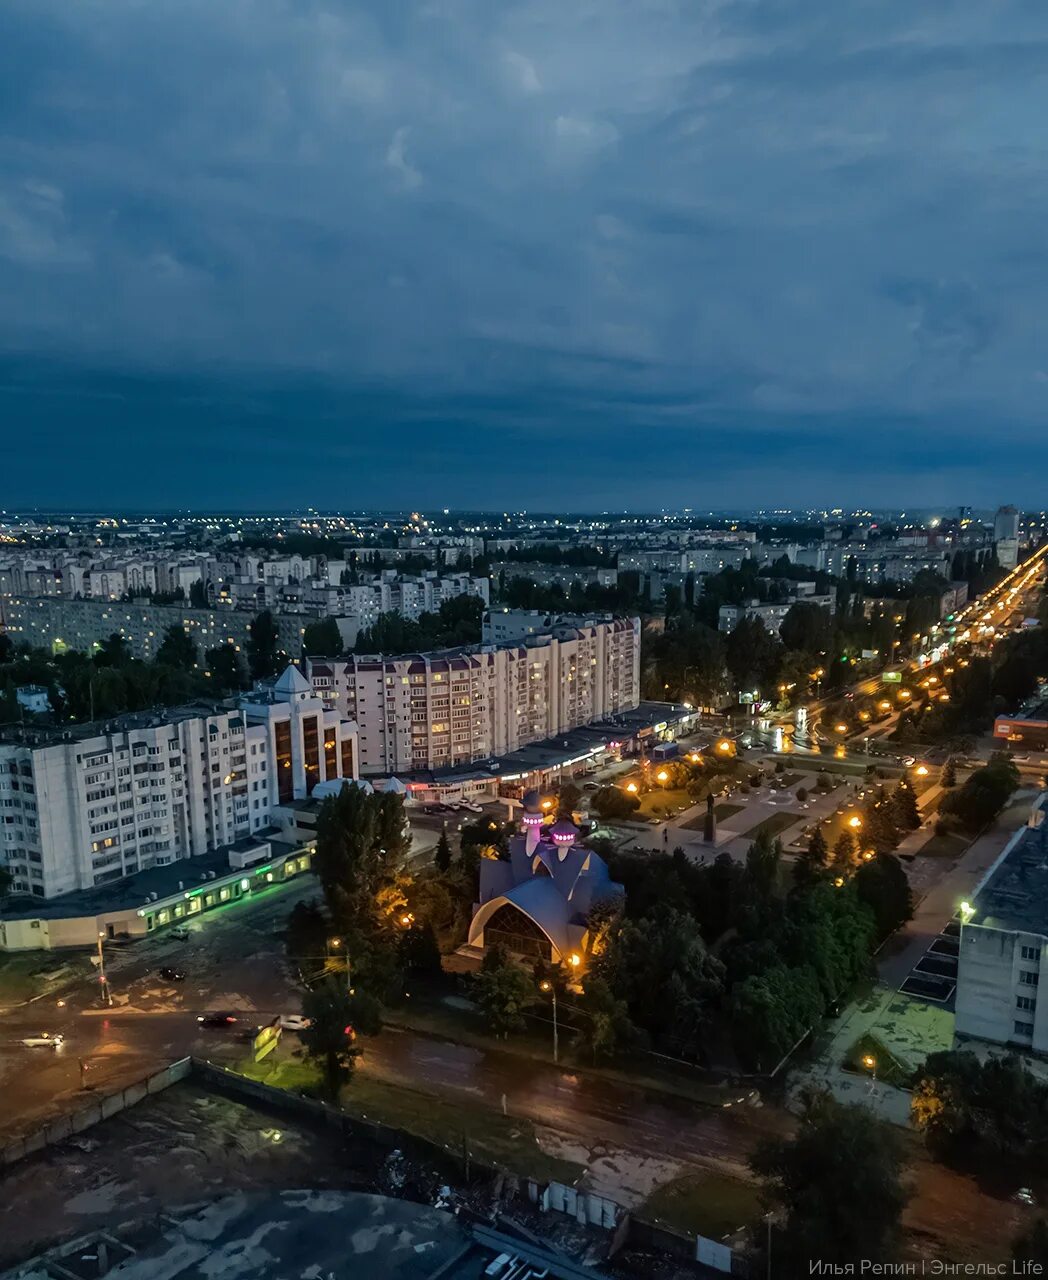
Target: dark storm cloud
pixel 778 239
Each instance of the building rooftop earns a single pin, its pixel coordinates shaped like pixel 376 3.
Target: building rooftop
pixel 132 891
pixel 565 748
pixel 1015 895
pixel 52 735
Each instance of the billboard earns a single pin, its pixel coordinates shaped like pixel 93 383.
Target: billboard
pixel 892 677
pixel 266 1039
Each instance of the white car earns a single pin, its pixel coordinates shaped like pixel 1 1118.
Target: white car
pixel 43 1041
pixel 294 1022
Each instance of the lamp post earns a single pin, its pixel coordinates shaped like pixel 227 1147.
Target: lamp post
pixel 546 985
pixel 107 995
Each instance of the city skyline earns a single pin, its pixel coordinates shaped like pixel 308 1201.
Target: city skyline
pixel 408 258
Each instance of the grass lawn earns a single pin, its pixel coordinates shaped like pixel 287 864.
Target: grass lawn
pixel 775 824
pixel 947 846
pixel 25 974
pixel 722 812
pixel 662 802
pixel 447 1121
pixel 889 1068
pixel 708 1204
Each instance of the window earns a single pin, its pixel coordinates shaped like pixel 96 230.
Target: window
pixel 1031 953
pixel 1024 1028
pixel 1027 978
pixel 1026 1003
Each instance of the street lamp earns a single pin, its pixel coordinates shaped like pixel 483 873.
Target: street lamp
pixel 921 771
pixel 107 995
pixel 724 745
pixel 631 787
pixel 663 776
pixel 575 959
pixel 546 985
pixel 855 822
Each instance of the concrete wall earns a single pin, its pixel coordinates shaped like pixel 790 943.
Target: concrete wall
pixel 96 1110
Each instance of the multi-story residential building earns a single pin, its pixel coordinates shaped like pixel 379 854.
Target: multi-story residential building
pixel 84 624
pixel 560 575
pixel 1006 525
pixel 93 803
pixel 430 711
pixel 730 615
pixel 1004 947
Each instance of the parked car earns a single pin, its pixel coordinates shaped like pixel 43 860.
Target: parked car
pixel 216 1019
pixel 45 1040
pixel 473 808
pixel 179 931
pixel 172 975
pixel 295 1022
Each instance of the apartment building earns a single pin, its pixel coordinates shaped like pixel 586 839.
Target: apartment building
pixel 1004 947
pixel 83 624
pixel 429 711
pixel 86 805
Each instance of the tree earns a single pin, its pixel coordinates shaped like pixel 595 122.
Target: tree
pixel 503 991
pixel 177 649
pixel 306 936
pixel 948 778
pixel 322 638
pixel 568 798
pixel 882 885
pixel 419 953
pixel 661 969
pixel 607 1028
pixel 335 1020
pixel 360 844
pixel 807 627
pixel 812 863
pixel 442 853
pixel 904 809
pixel 198 594
pixel 837 1186
pixel 226 667
pixel 262 646
pixel 985 793
pixel 771 1011
pixel 114 651
pixel 611 804
pixel 753 655
pixel 959 1102
pixel 844 853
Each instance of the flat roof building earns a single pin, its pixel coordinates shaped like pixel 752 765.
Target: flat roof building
pixel 1004 945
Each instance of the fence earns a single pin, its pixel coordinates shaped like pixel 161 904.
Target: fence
pixel 94 1112
pixel 586 1207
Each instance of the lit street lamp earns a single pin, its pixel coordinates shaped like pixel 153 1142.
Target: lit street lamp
pixel 546 985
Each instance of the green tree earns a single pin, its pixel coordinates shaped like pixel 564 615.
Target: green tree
pixel 606 1028
pixel 177 649
pixel 984 794
pixel 361 842
pixel 661 969
pixel 442 853
pixel 262 657
pixel 114 651
pixel 503 991
pixel 882 885
pixel 753 655
pixel 837 1186
pixel 336 1018
pixel 322 639
pixel 811 865
pixel 904 809
pixel 772 1010
pixel 568 798
pixel 948 777
pixel 226 667
pixel 611 804
pixel 845 854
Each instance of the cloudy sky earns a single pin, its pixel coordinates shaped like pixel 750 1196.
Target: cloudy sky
pixel 528 253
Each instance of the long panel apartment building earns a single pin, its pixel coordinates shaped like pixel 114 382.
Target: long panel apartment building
pixel 431 711
pixel 82 806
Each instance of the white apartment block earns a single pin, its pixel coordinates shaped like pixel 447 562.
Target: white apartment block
pixel 86 805
pixel 1004 949
pixel 435 710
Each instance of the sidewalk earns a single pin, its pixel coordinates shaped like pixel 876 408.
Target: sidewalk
pixel 942 898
